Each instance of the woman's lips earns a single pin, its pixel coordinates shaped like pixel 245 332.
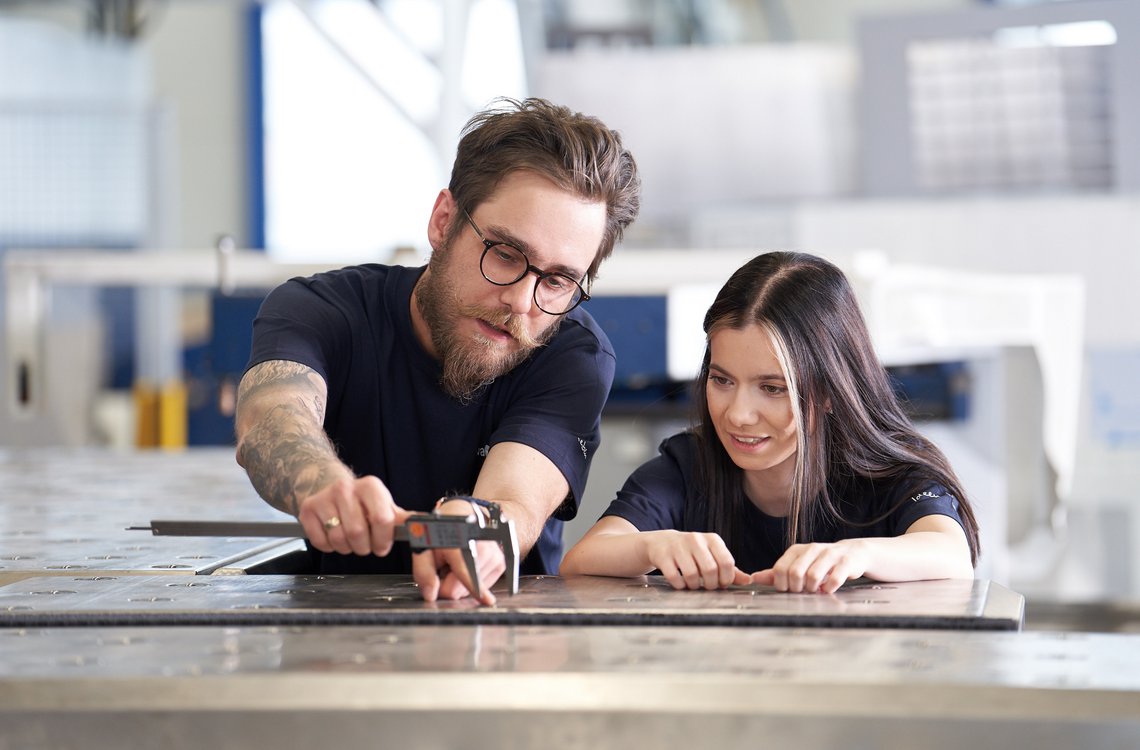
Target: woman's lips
pixel 748 442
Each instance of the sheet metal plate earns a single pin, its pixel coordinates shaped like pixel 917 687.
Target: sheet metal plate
pixel 65 511
pixel 593 687
pixel 281 600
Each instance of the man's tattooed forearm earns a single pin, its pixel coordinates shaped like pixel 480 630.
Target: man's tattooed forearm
pixel 288 457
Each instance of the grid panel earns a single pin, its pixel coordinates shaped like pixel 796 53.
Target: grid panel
pixel 985 115
pixel 74 175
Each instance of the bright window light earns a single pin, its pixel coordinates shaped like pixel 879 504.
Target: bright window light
pixel 352 102
pixel 493 60
pixel 1081 34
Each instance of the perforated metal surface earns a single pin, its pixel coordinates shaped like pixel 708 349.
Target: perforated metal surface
pixel 596 687
pixel 66 511
pixel 1095 661
pixel 104 600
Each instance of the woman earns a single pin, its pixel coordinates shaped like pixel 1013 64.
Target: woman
pixel 802 468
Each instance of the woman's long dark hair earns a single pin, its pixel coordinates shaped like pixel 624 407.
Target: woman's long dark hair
pixel 848 417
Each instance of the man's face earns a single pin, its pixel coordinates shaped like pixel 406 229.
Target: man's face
pixel 476 329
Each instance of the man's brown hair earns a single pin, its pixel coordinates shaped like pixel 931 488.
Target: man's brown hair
pixel 577 152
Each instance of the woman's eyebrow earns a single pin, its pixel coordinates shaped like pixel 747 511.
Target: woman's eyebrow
pixel 762 376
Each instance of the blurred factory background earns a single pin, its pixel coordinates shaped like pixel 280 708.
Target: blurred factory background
pixel 974 166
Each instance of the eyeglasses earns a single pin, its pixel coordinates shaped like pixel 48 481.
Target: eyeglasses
pixel 503 265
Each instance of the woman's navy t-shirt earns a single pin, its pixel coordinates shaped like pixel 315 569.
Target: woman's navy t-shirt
pixel 388 417
pixel 656 494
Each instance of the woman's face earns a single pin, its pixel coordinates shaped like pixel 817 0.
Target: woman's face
pixel 748 398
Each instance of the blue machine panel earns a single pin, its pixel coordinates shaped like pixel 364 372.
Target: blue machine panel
pixel 214 369
pixel 636 328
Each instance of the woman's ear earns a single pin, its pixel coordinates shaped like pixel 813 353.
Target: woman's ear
pixel 813 413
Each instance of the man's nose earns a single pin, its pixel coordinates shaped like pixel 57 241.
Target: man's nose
pixel 519 296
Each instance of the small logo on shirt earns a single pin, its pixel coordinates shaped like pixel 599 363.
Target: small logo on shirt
pixel 925 493
pixel 482 452
pixel 585 452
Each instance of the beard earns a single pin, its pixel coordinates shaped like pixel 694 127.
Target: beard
pixel 470 362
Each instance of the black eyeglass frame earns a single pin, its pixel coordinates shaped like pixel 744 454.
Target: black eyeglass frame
pixel 584 296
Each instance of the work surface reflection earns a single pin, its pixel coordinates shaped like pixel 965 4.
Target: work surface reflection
pixel 586 600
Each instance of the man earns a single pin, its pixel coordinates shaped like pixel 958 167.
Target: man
pixel 373 391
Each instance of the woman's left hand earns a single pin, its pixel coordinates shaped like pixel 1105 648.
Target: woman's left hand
pixel 815 567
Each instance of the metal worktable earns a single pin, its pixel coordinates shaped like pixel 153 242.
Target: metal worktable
pixel 101 647
pixel 565 687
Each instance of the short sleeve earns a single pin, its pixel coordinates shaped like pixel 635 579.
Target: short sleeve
pixel 653 498
pixel 298 324
pixel 933 500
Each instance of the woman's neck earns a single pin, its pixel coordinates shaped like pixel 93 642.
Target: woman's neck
pixel 770 490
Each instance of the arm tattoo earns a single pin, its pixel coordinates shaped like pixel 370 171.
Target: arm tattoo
pixel 283 448
pixel 269 376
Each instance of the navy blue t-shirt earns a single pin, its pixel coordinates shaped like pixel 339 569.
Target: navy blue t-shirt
pixel 656 495
pixel 388 417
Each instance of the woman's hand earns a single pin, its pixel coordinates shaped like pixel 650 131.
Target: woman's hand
pixel 692 560
pixel 932 547
pixel 816 567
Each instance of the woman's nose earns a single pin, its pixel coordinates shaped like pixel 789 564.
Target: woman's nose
pixel 741 410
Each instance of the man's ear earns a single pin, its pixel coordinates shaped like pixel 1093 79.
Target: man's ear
pixel 442 216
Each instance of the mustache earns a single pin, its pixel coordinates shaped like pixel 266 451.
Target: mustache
pixel 512 324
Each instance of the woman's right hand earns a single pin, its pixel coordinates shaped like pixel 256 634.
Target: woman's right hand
pixel 692 560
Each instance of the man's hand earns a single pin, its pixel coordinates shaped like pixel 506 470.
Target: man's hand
pixel 442 573
pixel 692 560
pixel 352 517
